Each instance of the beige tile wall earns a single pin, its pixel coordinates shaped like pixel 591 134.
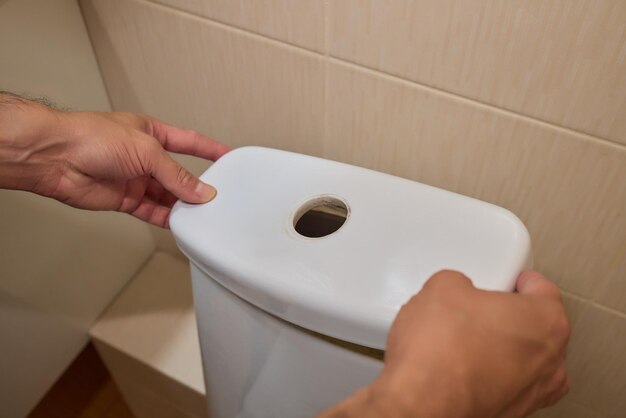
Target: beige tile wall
pixel 552 60
pixel 299 22
pixel 148 339
pixel 59 267
pixel 522 104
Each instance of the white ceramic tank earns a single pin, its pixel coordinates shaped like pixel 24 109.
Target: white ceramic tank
pixel 290 321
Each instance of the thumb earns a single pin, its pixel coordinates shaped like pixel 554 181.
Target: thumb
pixel 535 283
pixel 180 182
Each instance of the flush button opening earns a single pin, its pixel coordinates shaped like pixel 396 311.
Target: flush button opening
pixel 320 217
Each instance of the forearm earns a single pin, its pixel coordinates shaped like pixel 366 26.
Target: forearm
pixel 27 130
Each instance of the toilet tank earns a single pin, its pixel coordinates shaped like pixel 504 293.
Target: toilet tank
pixel 337 249
pixel 300 264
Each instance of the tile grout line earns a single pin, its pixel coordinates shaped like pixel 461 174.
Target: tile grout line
pixel 235 29
pixel 326 76
pixel 589 301
pixel 584 406
pixel 575 296
pixel 608 309
pixel 386 75
pixel 487 106
pixel 95 55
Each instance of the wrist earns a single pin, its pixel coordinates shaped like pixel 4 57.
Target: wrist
pixel 365 403
pixel 27 132
pixel 421 395
pixel 395 398
pixel 382 400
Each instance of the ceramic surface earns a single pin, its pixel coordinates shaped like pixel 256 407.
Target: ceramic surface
pixel 258 366
pixel 350 284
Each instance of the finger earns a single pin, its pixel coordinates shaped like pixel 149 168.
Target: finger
pixel 559 388
pixel 534 283
pixel 186 141
pixel 152 212
pixel 133 193
pixel 449 279
pixel 160 194
pixel 178 180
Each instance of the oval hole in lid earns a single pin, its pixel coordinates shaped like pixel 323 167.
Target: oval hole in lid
pixel 320 217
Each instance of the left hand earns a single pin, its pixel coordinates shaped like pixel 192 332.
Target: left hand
pixel 101 161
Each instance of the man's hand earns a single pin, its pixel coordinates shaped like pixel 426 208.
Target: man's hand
pixel 100 161
pixel 458 352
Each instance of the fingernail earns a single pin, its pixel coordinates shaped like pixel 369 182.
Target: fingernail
pixel 206 192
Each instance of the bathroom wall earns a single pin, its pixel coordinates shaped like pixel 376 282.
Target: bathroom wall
pixel 59 267
pixel 522 104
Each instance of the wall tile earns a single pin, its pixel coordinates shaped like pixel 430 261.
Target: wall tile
pixel 589 383
pixel 596 362
pixel 298 22
pixel 574 307
pixel 561 61
pixel 569 406
pixel 146 404
pixel 567 188
pixel 165 242
pixel 566 409
pixel 65 262
pixel 59 269
pixel 50 54
pixel 236 88
pixel 153 320
pixel 149 334
pixel 613 293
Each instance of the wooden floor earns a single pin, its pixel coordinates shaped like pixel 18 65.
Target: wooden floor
pixel 85 390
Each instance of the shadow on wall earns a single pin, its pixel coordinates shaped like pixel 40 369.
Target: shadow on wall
pixel 60 268
pixel 58 258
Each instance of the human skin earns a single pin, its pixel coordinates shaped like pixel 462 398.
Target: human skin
pixel 455 351
pixel 100 161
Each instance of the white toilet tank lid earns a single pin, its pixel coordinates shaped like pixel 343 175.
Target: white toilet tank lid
pixel 351 283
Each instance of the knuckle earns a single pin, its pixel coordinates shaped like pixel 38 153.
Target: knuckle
pixel 127 117
pixel 133 121
pixel 561 378
pixel 533 275
pixel 561 327
pixel 137 119
pixel 449 289
pixel 409 304
pixel 539 281
pixel 552 287
pixel 184 177
pixel 566 386
pixel 565 327
pixel 559 386
pixel 440 281
pixel 147 155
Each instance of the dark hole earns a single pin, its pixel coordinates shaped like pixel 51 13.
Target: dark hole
pixel 322 220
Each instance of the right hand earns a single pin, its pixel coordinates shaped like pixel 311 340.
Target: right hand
pixel 456 351
pixel 99 160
